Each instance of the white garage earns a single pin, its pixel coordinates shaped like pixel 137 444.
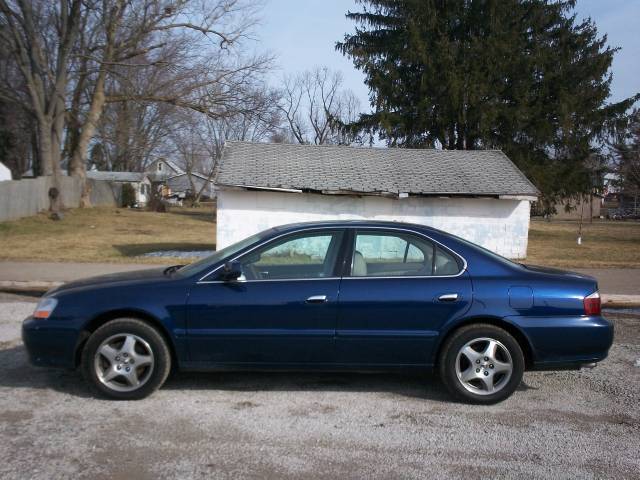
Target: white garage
pixel 479 195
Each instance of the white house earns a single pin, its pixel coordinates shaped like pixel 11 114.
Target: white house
pixel 139 181
pixel 5 173
pixel 170 174
pixel 479 195
pixel 161 169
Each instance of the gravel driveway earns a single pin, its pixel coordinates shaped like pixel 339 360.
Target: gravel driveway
pixel 558 425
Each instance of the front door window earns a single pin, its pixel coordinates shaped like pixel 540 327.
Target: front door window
pixel 310 255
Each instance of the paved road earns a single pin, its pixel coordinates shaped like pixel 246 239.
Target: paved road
pixel 625 281
pixel 622 281
pixel 240 425
pixel 62 272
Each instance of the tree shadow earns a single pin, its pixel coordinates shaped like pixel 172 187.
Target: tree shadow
pixel 421 386
pixel 137 249
pixel 16 372
pixel 203 214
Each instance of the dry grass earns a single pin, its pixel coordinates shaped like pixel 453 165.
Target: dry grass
pixel 107 235
pixel 122 235
pixel 604 244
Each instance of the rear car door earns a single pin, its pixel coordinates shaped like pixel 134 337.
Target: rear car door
pixel 397 292
pixel 282 310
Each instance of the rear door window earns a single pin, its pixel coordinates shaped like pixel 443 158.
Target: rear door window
pixel 387 254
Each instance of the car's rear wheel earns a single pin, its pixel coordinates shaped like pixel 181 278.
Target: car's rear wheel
pixel 481 363
pixel 126 359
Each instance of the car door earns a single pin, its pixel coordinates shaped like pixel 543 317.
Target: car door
pixel 282 310
pixel 400 288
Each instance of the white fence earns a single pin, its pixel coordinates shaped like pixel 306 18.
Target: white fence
pixel 26 197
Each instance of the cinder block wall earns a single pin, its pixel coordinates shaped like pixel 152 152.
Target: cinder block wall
pixel 499 225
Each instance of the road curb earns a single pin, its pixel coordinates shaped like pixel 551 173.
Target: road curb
pixel 612 300
pixel 11 286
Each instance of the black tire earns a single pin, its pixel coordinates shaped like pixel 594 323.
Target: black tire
pixel 155 375
pixel 449 356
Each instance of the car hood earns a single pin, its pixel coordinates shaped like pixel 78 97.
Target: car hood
pixel 133 277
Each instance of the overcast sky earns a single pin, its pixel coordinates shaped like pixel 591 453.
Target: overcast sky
pixel 302 34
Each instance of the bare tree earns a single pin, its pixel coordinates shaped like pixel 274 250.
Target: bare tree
pixel 76 57
pixel 39 36
pixel 193 44
pixel 626 161
pixel 17 129
pixel 198 140
pixel 316 107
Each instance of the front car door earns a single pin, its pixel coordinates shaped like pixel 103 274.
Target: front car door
pixel 281 311
pixel 398 291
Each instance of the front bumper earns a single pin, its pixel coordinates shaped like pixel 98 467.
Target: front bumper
pixel 566 342
pixel 48 344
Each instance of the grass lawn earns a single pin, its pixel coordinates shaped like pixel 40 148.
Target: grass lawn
pixel 122 235
pixel 106 234
pixel 605 243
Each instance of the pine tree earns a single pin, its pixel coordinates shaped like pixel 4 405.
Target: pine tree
pixel 523 76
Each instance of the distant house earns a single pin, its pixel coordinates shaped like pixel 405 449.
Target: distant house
pixel 479 195
pixel 5 173
pixel 161 169
pixel 138 180
pixel 180 185
pixel 585 208
pixel 167 173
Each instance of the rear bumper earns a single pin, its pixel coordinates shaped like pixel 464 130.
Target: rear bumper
pixel 566 342
pixel 48 344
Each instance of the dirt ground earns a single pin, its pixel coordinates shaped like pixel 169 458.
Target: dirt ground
pixel 605 244
pixel 583 424
pixel 105 234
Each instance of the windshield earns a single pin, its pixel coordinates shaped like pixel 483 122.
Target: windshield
pixel 227 251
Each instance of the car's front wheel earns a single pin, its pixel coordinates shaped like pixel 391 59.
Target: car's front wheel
pixel 481 363
pixel 126 359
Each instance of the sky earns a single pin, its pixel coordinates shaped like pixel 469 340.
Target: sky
pixel 302 34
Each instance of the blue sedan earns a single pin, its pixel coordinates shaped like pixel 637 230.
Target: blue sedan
pixel 354 295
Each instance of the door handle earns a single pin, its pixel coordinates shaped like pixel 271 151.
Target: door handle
pixel 317 299
pixel 448 297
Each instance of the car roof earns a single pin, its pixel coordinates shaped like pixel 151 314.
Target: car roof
pixel 354 223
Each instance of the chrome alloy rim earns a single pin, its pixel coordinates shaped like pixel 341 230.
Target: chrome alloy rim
pixel 124 362
pixel 484 366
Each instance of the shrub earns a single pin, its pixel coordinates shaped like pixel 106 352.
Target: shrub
pixel 128 195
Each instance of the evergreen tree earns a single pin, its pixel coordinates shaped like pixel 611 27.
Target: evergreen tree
pixel 523 76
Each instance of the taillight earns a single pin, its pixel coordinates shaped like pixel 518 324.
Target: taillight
pixel 592 304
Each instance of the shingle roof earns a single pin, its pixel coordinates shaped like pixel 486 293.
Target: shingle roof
pixel 116 176
pixel 339 169
pixel 172 165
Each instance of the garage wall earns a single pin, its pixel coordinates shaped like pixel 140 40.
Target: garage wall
pixel 499 225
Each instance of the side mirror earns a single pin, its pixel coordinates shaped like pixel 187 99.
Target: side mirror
pixel 232 270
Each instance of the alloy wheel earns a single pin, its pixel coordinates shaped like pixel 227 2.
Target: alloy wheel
pixel 484 366
pixel 124 362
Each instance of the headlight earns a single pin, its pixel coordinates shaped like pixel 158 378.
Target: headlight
pixel 45 307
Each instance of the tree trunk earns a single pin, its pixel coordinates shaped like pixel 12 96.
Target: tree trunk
pixel 78 166
pixel 45 148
